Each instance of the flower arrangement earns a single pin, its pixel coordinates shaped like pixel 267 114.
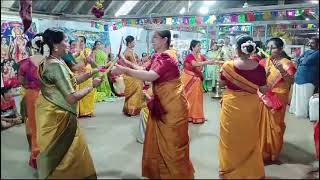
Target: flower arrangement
pixel 98 9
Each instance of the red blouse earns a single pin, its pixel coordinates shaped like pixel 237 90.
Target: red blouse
pixel 188 62
pixel 256 76
pixel 30 73
pixel 165 66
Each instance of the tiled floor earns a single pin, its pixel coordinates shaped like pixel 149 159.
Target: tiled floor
pixel 116 154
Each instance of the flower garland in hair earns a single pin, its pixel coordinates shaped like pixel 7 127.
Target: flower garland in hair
pixel 246 44
pixel 284 41
pixel 34 40
pixel 97 9
pixel 46 50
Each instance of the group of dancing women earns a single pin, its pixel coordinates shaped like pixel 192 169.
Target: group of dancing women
pixel 63 85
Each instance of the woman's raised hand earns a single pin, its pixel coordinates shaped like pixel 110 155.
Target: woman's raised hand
pixel 97 81
pixel 118 70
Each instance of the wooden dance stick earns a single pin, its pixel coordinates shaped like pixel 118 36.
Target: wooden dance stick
pixel 268 55
pixel 113 62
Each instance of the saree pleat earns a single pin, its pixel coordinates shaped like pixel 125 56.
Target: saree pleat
pixel 272 128
pixel 86 105
pixel 24 116
pixel 30 100
pixel 272 125
pixel 239 150
pixel 133 96
pixel 52 123
pixel 166 145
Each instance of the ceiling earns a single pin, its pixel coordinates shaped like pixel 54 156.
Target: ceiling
pixel 142 8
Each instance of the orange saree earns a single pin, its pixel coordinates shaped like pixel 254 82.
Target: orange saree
pixel 192 79
pixel 272 125
pixel 29 78
pixel 166 145
pixel 133 89
pixel 239 150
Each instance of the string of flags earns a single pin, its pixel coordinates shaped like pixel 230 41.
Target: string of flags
pixel 206 23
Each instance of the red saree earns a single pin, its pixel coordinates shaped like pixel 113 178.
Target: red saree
pixel 192 78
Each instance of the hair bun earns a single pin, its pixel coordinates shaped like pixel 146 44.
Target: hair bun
pixel 37 42
pixel 248 47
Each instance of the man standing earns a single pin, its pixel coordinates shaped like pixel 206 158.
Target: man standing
pixel 306 79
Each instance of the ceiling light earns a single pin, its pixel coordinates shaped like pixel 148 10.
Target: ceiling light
pixel 307 19
pixel 126 8
pixel 183 10
pixel 189 3
pixel 315 2
pixel 204 10
pixel 208 3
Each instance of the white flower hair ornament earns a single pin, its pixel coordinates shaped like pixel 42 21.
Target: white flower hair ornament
pixel 284 42
pixel 246 44
pixel 46 50
pixel 34 40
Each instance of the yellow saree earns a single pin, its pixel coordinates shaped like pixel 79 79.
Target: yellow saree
pixel 87 104
pixel 239 150
pixel 133 90
pixel 63 149
pixel 272 125
pixel 166 145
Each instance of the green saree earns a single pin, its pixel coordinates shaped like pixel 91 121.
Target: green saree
pixel 104 90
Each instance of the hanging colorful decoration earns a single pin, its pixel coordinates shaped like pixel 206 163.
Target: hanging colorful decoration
pixel 114 27
pixel 290 13
pixel 120 25
pixel 267 15
pixel 299 12
pixel 234 18
pixel 192 21
pixel 250 16
pixel 96 25
pixel 204 23
pixel 242 18
pixel 169 20
pixel 98 10
pixel 175 21
pixel 212 19
pixel 275 14
pixel 92 24
pixel 206 19
pixel 220 19
pixel 125 22
pixel 227 19
pixel 199 20
pixel 134 22
pixel 106 27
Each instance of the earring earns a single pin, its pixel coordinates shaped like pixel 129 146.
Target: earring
pixel 56 49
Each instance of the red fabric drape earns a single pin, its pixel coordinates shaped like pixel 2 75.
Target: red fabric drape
pixel 26 13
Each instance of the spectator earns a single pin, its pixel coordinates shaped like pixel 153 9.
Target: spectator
pixel 9 114
pixel 306 79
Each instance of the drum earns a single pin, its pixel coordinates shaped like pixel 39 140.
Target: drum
pixel 117 85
